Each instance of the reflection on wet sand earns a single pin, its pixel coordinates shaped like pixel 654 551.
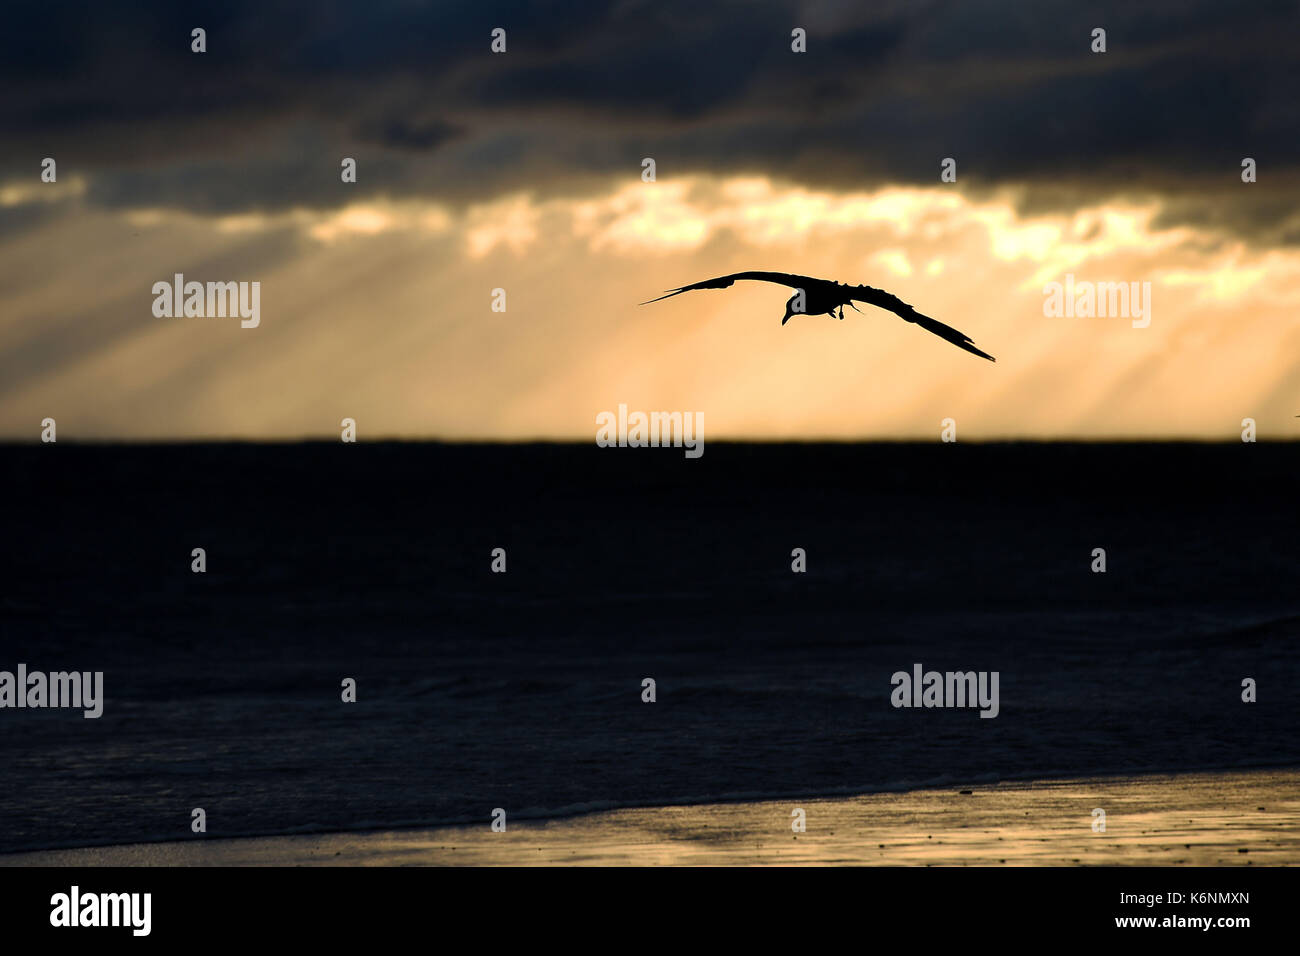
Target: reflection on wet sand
pixel 1234 818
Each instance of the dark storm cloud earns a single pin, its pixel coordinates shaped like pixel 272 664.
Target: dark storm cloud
pixel 886 90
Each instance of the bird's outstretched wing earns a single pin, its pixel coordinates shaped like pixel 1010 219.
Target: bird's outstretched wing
pixel 876 297
pixel 723 282
pixel 892 303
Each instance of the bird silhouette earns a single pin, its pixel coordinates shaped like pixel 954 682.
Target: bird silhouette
pixel 822 296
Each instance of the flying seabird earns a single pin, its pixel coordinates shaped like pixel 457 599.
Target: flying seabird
pixel 822 296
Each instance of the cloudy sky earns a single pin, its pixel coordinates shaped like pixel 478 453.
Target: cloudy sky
pixel 522 171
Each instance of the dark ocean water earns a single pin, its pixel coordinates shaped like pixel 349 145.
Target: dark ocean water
pixel 523 690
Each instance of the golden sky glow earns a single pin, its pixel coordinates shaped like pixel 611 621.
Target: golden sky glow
pixel 380 311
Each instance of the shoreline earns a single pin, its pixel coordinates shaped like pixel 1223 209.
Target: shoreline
pixel 1215 818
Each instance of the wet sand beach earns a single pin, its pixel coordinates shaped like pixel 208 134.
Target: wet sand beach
pixel 1249 818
